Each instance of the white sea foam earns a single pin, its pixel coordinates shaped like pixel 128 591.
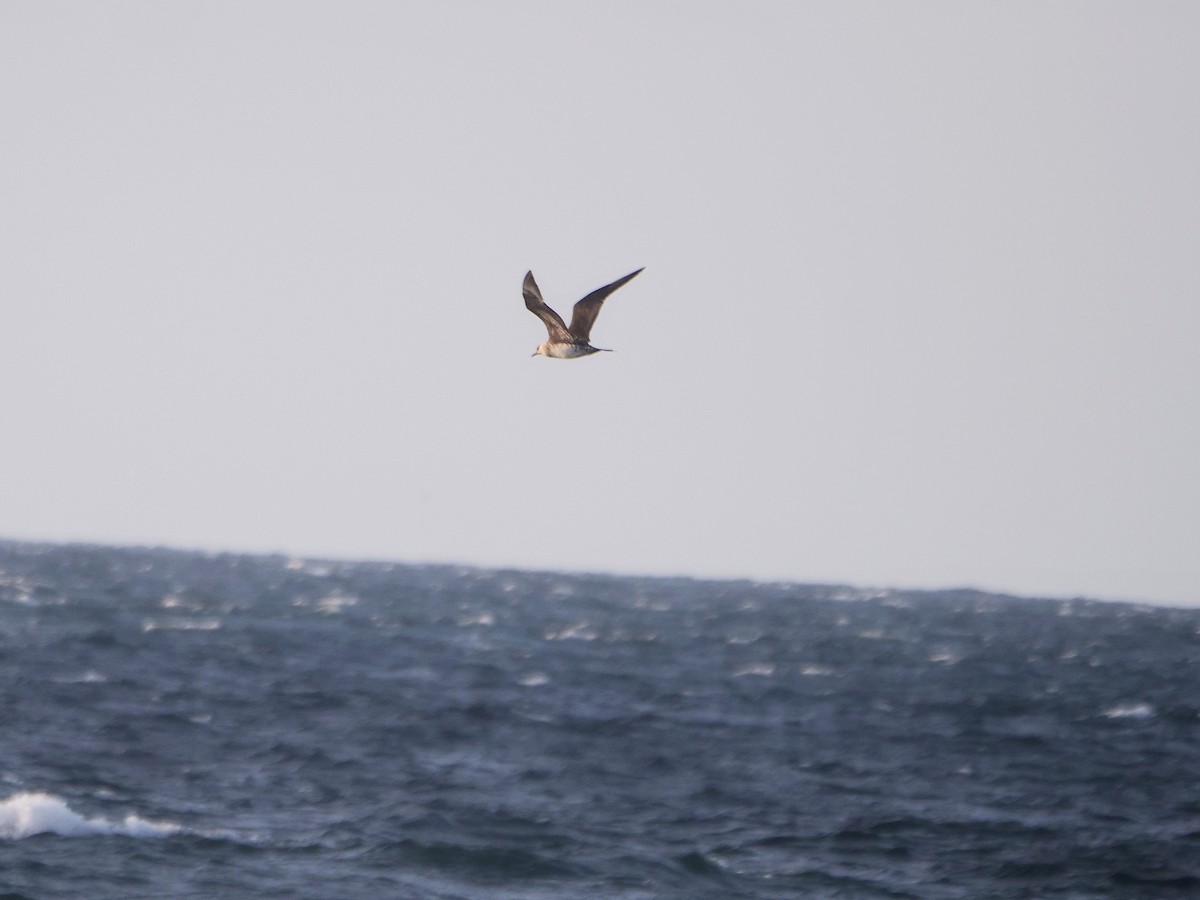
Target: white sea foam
pixel 180 604
pixel 28 813
pixel 482 618
pixel 23 589
pixel 747 636
pixel 181 624
pixel 90 676
pixel 658 605
pixel 580 631
pixel 1130 711
pixel 945 657
pixel 335 603
pixel 330 604
pixel 308 567
pixel 764 670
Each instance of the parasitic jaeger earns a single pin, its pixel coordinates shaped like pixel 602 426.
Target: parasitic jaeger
pixel 564 342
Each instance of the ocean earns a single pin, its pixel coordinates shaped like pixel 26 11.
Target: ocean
pixel 178 724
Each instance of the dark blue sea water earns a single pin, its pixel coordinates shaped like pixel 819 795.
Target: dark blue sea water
pixel 186 725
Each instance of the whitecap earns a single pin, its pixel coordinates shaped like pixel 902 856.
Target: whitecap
pixel 945 657
pixel 181 624
pixel 764 670
pixel 534 679
pixel 334 603
pixel 643 602
pixel 296 564
pixel 90 676
pixel 483 618
pixel 814 669
pixel 29 812
pixel 580 631
pixel 1130 711
pixel 744 637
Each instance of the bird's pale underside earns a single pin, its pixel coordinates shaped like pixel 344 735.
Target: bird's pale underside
pixel 574 341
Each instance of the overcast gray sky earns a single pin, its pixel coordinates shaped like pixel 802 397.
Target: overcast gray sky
pixel 920 305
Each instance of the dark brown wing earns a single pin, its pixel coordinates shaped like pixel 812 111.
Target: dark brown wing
pixel 588 308
pixel 536 305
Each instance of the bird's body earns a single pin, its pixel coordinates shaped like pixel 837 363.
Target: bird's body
pixel 564 342
pixel 562 350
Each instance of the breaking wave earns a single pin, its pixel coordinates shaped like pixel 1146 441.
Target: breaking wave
pixel 28 813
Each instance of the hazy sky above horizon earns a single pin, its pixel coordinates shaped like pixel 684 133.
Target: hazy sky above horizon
pixel 920 308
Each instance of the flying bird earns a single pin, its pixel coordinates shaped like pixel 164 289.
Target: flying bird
pixel 564 342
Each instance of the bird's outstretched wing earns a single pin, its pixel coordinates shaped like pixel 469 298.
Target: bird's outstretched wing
pixel 588 308
pixel 536 305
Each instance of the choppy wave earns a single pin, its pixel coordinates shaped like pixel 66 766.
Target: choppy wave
pixel 360 730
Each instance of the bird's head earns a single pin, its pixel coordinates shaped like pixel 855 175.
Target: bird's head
pixel 541 349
